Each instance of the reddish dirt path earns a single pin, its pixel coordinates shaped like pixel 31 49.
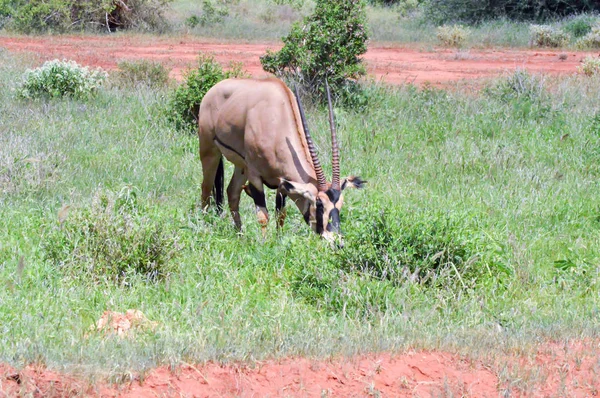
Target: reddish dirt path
pixel 392 64
pixel 551 370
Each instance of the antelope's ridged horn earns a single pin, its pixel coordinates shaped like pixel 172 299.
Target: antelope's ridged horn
pixel 321 182
pixel 335 151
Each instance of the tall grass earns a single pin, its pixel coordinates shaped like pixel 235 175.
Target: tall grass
pixel 492 197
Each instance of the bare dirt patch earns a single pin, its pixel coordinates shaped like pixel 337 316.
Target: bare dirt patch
pixel 557 369
pixel 392 64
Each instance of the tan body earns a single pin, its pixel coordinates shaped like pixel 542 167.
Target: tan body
pixel 257 126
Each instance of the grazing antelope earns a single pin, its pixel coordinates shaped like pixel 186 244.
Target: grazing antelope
pixel 259 127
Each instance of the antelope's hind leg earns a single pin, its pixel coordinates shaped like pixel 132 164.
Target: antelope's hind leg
pixel 234 191
pixel 210 157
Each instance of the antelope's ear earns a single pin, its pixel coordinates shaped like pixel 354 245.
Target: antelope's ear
pixel 295 188
pixel 353 182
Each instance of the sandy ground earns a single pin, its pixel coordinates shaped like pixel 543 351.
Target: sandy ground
pixel 552 370
pixel 392 64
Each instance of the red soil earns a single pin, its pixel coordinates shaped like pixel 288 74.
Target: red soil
pixel 553 370
pixel 392 64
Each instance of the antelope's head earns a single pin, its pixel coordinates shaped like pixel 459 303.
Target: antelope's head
pixel 321 204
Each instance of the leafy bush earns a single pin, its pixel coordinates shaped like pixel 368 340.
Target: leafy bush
pixel 57 79
pixel 453 36
pixel 579 25
pixel 184 104
pixel 151 74
pixel 547 36
pixel 421 248
pixel 325 46
pixel 590 66
pixel 112 240
pixel 519 85
pixel 475 11
pixel 30 16
pixel 212 14
pixel 590 40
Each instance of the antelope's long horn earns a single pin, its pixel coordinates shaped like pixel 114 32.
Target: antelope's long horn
pixel 335 151
pixel 321 182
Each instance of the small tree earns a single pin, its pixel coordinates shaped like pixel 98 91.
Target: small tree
pixel 325 46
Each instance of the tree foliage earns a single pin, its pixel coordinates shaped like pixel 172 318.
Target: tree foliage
pixel 326 45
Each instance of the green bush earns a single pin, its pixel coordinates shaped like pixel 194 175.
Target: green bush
pixel 590 66
pixel 519 85
pixel 547 36
pixel 579 25
pixel 148 73
pixel 111 240
pixel 325 46
pixel 420 248
pixel 57 79
pixel 29 16
pixel 590 40
pixel 453 36
pixel 184 103
pixel 212 14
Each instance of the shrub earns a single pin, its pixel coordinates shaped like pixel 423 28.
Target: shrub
pixel 519 85
pixel 30 16
pixel 547 36
pixel 453 36
pixel 57 79
pixel 212 14
pixel 151 74
pixel 421 248
pixel 325 46
pixel 590 66
pixel 579 25
pixel 184 104
pixel 590 40
pixel 111 240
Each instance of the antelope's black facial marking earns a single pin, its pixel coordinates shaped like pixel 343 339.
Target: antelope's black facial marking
pixel 258 196
pixel 333 195
pixel 319 214
pixel 334 221
pixel 287 186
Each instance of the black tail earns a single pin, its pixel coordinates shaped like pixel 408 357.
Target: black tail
pixel 219 185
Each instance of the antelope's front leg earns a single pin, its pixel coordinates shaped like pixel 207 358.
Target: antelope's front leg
pixel 258 195
pixel 280 209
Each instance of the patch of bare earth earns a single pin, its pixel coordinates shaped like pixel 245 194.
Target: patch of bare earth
pixel 569 369
pixel 391 64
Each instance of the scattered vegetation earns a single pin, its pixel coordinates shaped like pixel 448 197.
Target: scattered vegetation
pixel 453 36
pixel 547 36
pixel 57 79
pixel 184 103
pixel 590 66
pixel 112 240
pixel 134 73
pixel 325 46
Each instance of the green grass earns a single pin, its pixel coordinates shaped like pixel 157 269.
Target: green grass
pixel 506 182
